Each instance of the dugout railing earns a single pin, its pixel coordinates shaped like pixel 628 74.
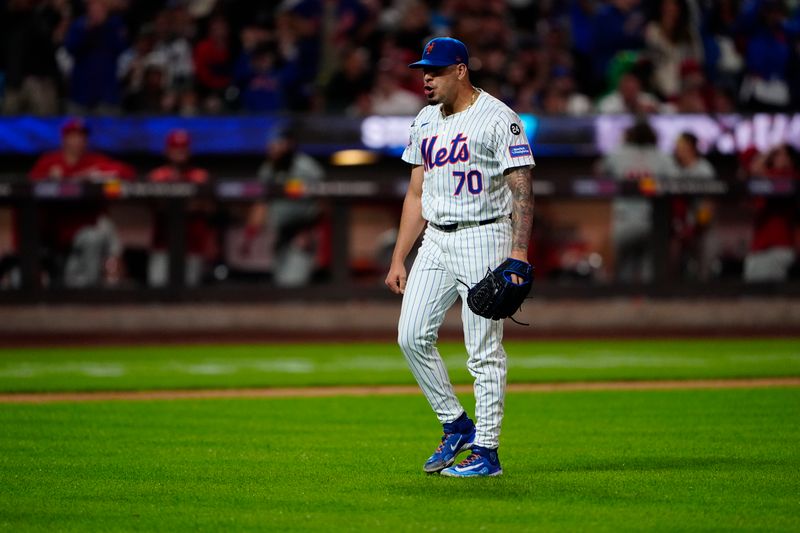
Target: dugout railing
pixel 28 198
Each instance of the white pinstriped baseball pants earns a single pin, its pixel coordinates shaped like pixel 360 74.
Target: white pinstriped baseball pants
pixel 431 289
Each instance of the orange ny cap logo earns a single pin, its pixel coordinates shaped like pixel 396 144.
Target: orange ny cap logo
pixel 429 48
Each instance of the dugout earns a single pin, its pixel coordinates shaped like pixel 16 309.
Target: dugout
pixel 361 198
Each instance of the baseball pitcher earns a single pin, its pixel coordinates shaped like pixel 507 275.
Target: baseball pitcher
pixel 471 184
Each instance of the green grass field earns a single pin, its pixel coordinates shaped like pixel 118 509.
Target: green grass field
pixel 157 367
pixel 597 461
pixel 609 461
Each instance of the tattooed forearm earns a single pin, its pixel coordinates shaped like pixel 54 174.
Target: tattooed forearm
pixel 519 181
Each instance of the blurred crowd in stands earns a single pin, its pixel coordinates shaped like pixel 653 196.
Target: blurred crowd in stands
pixel 349 56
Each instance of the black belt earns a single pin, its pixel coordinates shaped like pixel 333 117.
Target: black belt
pixel 455 226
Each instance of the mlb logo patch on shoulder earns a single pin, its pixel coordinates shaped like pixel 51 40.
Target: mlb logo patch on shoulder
pixel 519 150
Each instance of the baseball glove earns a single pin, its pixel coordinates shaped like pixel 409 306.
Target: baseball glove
pixel 496 296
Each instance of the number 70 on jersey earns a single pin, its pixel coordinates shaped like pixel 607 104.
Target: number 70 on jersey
pixel 473 179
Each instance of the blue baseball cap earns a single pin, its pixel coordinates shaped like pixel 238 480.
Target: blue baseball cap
pixel 442 52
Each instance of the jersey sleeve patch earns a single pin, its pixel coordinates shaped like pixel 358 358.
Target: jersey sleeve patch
pixel 519 150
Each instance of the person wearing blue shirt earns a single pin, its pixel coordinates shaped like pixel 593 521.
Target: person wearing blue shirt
pixel 95 42
pixel 261 80
pixel 618 26
pixel 763 23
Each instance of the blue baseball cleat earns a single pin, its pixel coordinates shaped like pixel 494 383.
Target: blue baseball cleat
pixel 445 455
pixel 482 462
pixel 458 435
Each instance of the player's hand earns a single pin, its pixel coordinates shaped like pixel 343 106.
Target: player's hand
pixel 521 255
pixel 396 278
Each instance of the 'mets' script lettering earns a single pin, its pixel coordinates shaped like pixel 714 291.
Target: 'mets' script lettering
pixel 459 151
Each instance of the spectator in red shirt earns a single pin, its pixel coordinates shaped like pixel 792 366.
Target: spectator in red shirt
pixel 199 234
pixel 772 250
pixel 82 232
pixel 212 65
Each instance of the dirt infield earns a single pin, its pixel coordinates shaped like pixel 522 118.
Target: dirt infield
pixel 385 390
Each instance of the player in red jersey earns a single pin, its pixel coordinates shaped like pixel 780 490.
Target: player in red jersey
pixel 199 234
pixel 773 249
pixel 178 167
pixel 74 161
pixel 82 232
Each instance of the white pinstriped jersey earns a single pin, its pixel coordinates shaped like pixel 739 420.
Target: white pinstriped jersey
pixel 465 155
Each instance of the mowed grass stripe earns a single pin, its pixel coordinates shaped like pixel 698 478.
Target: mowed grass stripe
pixel 283 365
pixel 388 390
pixel 605 461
